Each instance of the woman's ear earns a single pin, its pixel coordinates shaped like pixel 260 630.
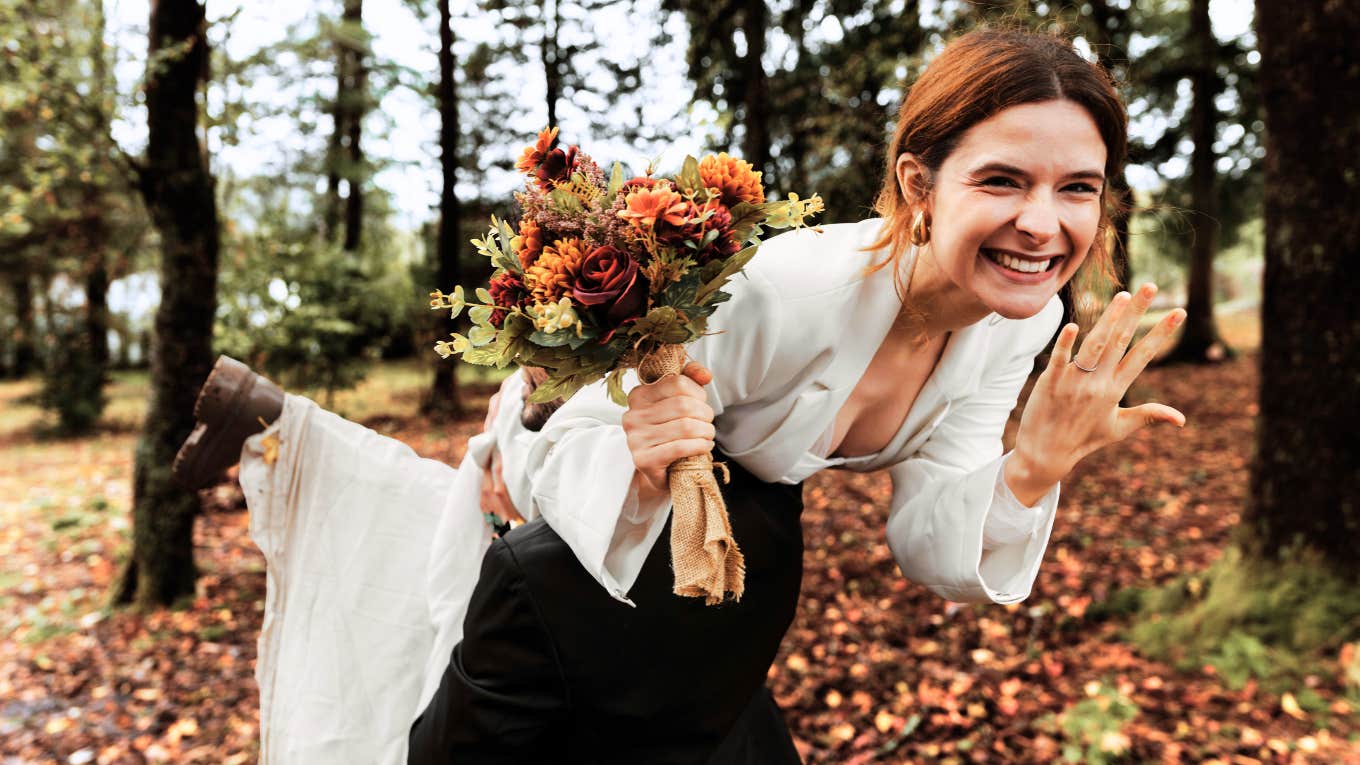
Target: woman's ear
pixel 914 180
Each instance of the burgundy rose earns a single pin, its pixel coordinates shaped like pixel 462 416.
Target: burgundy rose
pixel 556 166
pixel 711 216
pixel 608 278
pixel 507 291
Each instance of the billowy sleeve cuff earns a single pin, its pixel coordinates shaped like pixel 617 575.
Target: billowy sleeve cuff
pixel 936 530
pixel 1014 538
pixel 1008 520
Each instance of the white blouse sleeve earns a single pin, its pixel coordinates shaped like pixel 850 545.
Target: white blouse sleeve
pixel 954 525
pixel 580 471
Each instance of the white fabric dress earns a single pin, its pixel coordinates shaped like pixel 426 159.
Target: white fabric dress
pixel 372 552
pixel 371 555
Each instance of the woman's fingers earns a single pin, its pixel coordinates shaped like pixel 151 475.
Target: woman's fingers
pixel 654 460
pixel 1136 418
pixel 1124 329
pixel 698 373
pixel 670 386
pixel 1062 348
pixel 1093 347
pixel 1146 349
pixel 669 409
pixel 685 428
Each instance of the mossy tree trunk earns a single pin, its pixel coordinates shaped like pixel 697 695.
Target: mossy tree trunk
pixel 443 400
pixel 1306 474
pixel 178 188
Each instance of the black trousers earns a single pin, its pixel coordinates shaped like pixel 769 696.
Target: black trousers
pixel 551 669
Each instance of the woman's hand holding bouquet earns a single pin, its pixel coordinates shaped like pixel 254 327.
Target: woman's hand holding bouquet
pixel 605 275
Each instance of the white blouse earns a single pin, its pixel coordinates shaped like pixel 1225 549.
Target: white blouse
pixel 786 352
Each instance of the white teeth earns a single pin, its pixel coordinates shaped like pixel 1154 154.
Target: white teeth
pixel 1017 264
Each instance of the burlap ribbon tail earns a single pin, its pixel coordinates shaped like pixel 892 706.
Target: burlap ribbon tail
pixel 704 556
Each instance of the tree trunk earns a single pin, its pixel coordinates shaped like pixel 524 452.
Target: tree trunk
pixel 1106 23
pixel 178 189
pixel 95 229
pixel 335 149
pixel 344 157
pixel 1199 341
pixel 97 305
pixel 551 54
pixel 25 349
pixel 1305 484
pixel 357 97
pixel 755 20
pixel 443 399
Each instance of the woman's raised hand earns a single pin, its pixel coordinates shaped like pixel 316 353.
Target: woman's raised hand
pixel 1072 411
pixel 667 420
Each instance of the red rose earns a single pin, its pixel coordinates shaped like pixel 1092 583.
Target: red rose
pixel 608 277
pixel 507 291
pixel 557 166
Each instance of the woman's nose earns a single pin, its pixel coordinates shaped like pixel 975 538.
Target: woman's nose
pixel 1038 219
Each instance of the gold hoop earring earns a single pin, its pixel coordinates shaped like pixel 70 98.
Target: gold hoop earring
pixel 920 230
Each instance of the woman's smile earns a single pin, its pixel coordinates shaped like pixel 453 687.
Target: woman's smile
pixel 1025 269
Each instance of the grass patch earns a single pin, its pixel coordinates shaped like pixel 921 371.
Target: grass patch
pixel 1272 621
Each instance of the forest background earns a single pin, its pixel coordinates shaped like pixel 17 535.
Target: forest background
pixel 284 184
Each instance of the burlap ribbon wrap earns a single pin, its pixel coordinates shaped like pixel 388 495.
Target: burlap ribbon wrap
pixel 704 555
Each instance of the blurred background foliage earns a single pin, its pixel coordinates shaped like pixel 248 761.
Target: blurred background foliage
pixel 329 242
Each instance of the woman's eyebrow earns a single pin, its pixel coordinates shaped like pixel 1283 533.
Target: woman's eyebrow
pixel 1002 167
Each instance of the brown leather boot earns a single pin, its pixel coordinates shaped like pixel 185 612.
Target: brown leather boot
pixel 230 406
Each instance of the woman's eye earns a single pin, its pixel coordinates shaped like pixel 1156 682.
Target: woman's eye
pixel 1000 180
pixel 1082 188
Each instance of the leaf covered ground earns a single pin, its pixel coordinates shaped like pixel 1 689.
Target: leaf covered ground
pixel 875 669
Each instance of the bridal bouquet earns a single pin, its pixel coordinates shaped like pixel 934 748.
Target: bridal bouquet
pixel 607 274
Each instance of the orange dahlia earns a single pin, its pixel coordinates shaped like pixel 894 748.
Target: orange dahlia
pixel 645 208
pixel 533 155
pixel 554 274
pixel 529 243
pixel 736 179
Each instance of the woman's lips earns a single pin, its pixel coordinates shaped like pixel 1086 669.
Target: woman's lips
pixel 1022 277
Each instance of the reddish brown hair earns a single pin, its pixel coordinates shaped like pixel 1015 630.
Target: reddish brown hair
pixel 977 75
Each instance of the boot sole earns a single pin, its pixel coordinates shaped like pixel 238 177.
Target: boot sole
pixel 225 409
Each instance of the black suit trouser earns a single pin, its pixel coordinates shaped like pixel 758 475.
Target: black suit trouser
pixel 551 669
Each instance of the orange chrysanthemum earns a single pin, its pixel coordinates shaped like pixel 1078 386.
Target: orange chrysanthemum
pixel 533 156
pixel 646 207
pixel 736 179
pixel 529 243
pixel 554 274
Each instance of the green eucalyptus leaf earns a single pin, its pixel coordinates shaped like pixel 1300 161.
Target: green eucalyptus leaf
pixel 480 336
pixel 689 179
pixel 480 314
pixel 565 201
pixel 484 356
pixel 730 269
pixel 484 295
pixel 615 180
pixel 614 384
pixel 551 340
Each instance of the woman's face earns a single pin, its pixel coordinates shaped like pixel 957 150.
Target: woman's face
pixel 1016 205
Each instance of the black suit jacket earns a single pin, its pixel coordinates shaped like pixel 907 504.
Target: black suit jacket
pixel 551 669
